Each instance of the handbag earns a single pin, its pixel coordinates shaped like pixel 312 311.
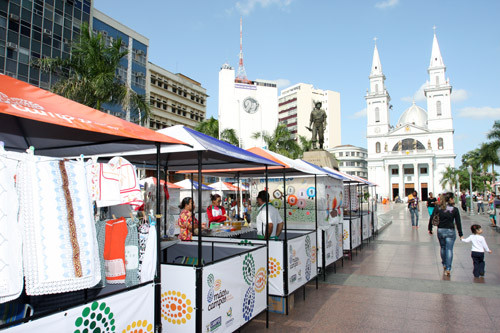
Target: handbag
pixel 435 219
pixel 490 212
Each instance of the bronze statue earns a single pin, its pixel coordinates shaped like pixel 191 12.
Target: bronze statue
pixel 317 125
pixel 385 147
pixel 400 145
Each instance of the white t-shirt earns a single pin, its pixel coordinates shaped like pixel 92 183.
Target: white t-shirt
pixel 274 218
pixel 478 243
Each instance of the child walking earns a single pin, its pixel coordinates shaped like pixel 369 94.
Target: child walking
pixel 478 247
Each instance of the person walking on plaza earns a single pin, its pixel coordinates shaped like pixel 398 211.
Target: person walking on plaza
pixel 480 206
pixel 491 210
pixel 463 200
pixel 431 203
pixel 479 246
pixel 449 219
pixel 414 206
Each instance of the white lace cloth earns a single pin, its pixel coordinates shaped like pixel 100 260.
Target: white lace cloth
pixel 11 246
pixel 47 250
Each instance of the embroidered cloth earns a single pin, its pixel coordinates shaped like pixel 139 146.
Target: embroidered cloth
pixel 56 213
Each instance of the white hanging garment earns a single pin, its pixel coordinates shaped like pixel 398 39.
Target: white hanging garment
pixel 148 267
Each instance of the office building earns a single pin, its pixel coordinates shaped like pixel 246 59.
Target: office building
pixel 351 159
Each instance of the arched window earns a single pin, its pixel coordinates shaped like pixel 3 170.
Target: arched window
pixel 377 115
pixel 376 88
pixel 437 80
pixel 440 143
pixel 438 108
pixel 377 147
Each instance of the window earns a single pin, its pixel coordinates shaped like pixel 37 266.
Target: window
pixel 341 154
pixel 440 143
pixel 394 171
pixel 408 171
pixel 438 108
pixel 377 147
pixel 423 171
pixel 377 115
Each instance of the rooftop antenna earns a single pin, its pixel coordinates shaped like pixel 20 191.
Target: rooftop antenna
pixel 241 76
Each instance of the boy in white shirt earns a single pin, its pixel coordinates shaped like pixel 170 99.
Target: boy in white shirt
pixel 478 247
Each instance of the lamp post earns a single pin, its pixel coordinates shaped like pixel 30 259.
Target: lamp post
pixel 458 187
pixel 469 168
pixel 494 178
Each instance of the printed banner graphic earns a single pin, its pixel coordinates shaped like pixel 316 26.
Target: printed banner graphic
pixel 301 267
pixel 355 233
pixel 131 311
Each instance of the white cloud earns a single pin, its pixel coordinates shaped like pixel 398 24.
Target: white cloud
pixel 247 6
pixel 386 4
pixel 282 83
pixel 359 114
pixel 418 96
pixel 459 95
pixel 482 112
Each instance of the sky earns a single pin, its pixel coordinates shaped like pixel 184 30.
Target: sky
pixel 329 44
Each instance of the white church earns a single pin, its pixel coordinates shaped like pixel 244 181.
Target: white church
pixel 412 154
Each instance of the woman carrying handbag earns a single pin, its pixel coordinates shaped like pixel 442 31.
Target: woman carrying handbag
pixel 446 217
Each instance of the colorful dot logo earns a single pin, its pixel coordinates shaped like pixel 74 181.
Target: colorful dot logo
pixel 346 234
pixel 248 269
pixel 260 280
pixel 140 326
pixel 176 308
pixel 292 200
pixel 95 318
pixel 313 254
pixel 210 280
pixel 248 304
pixel 274 267
pixel 218 284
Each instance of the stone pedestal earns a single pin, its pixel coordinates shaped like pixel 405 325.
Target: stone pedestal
pixel 321 158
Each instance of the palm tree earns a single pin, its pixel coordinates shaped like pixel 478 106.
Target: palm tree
pixel 305 143
pixel 448 177
pixel 210 127
pixel 89 75
pixel 281 142
pixel 494 134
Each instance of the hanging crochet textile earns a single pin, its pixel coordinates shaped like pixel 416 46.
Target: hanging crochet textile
pixel 11 260
pixel 132 254
pixel 60 252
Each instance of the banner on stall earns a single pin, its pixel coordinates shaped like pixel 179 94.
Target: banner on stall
pixel 129 311
pixel 367 225
pixel 300 196
pixel 352 234
pixel 351 197
pixel 234 291
pixel 301 261
pixel 333 244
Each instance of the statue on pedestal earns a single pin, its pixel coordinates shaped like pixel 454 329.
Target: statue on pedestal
pixel 317 125
pixel 429 145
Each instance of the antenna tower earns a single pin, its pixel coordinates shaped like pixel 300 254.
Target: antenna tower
pixel 241 76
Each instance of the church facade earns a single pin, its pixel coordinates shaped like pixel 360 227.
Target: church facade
pixel 413 154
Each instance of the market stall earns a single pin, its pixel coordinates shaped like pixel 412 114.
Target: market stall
pixel 53 246
pixel 205 153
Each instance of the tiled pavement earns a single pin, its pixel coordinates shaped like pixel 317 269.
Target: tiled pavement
pixel 395 283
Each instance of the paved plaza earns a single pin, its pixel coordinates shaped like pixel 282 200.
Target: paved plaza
pixel 395 283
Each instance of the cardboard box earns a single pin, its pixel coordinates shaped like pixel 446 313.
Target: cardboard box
pixel 277 304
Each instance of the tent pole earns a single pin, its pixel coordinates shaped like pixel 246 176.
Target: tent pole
pixel 285 242
pixel 192 206
pixel 199 266
pixel 158 248
pixel 165 202
pixel 316 222
pixel 267 252
pixel 350 222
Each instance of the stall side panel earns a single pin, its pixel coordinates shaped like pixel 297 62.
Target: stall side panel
pixel 117 313
pixel 301 261
pixel 178 298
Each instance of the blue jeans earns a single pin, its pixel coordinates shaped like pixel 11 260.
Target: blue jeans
pixel 446 240
pixel 414 216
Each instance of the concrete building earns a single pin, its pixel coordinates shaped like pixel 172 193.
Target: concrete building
pixel 413 154
pixel 34 29
pixel 247 106
pixel 295 106
pixel 351 159
pixel 175 99
pixel 133 68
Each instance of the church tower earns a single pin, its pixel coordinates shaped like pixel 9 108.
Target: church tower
pixel 438 92
pixel 377 100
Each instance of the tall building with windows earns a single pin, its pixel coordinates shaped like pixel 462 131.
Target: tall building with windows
pixel 32 29
pixel 175 99
pixel 413 154
pixel 351 159
pixel 294 110
pixel 133 67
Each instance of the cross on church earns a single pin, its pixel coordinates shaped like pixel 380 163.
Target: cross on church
pixel 434 28
pixel 375 40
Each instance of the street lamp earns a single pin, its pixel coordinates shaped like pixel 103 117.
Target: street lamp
pixel 458 187
pixel 494 178
pixel 469 168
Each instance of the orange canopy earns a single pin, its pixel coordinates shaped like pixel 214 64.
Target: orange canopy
pixel 24 102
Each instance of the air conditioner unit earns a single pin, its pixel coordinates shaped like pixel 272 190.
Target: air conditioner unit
pixel 12 46
pixel 14 17
pixel 140 52
pixel 140 74
pixel 47 32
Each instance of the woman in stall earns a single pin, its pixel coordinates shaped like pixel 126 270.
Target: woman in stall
pixel 185 220
pixel 215 212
